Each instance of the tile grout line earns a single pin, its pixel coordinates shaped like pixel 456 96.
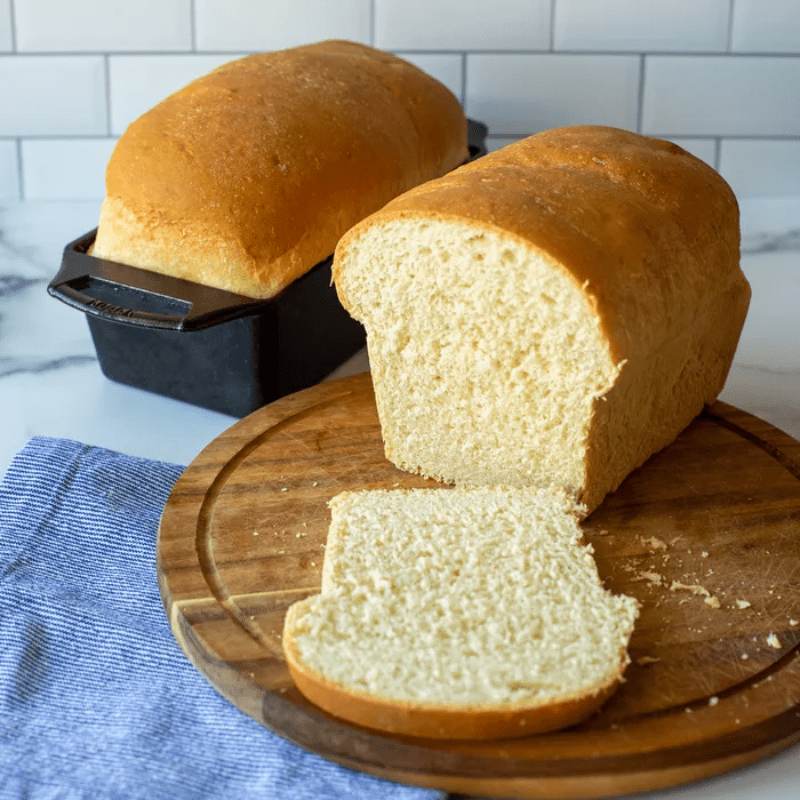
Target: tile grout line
pixel 464 80
pixel 12 18
pixel 779 55
pixel 731 12
pixel 192 26
pixel 20 174
pixel 640 98
pixel 107 66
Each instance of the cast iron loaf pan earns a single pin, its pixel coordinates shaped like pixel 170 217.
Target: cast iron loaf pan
pixel 205 346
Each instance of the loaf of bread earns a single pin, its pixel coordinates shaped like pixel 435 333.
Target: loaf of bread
pixel 551 314
pixel 459 614
pixel 246 178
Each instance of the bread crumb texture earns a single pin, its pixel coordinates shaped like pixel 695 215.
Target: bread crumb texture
pixel 461 598
pixel 486 371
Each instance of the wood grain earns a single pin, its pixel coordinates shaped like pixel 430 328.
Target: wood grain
pixel 705 535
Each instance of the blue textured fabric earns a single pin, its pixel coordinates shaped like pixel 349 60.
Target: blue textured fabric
pixel 96 698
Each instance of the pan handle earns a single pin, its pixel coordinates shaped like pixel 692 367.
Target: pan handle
pixel 134 296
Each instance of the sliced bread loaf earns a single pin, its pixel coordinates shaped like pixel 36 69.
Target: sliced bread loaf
pixel 451 613
pixel 551 314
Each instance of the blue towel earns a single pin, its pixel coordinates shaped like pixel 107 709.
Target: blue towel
pixel 96 698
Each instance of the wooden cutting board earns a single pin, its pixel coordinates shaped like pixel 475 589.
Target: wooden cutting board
pixel 706 535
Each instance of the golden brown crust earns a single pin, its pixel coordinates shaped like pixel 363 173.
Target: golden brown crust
pixel 247 177
pixel 438 722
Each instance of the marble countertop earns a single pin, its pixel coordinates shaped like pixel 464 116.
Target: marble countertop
pixel 51 384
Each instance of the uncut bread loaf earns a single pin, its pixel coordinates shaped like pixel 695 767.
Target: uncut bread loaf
pixel 246 178
pixel 550 314
pixel 459 614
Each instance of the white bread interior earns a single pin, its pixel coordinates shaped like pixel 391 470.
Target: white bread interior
pixel 473 614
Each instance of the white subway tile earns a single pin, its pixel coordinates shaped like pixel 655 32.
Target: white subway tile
pixel 100 25
pixel 52 95
pixel 704 149
pixel 65 169
pixel 721 96
pixel 6 38
pixel 761 168
pixel 643 25
pixel 760 27
pixel 9 170
pixel 258 25
pixel 446 68
pixel 137 83
pixel 462 25
pixel 522 94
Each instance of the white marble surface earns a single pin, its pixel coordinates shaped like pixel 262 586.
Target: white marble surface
pixel 51 384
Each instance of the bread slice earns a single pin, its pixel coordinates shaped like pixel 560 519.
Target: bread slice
pixel 551 314
pixel 461 614
pixel 246 178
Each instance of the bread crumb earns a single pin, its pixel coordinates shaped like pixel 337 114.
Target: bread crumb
pixel 285 489
pixel 255 533
pixel 314 483
pixel 793 622
pixel 712 701
pixel 654 543
pixel 643 661
pixel 712 601
pixel 742 604
pixel 651 577
pixel 745 656
pixel 676 586
pixel 704 554
pixel 774 641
